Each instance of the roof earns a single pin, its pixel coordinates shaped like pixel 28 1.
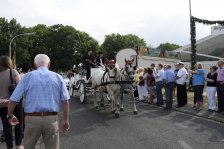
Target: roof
pixel 211 45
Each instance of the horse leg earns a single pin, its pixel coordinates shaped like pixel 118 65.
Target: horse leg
pixel 110 94
pixel 121 99
pixel 101 97
pixel 112 106
pixel 108 98
pixel 94 98
pixel 135 111
pixel 71 90
pixel 117 112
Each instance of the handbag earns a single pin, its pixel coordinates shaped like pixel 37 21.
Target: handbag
pixel 12 86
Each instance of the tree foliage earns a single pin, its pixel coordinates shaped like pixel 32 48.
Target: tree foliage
pixel 168 46
pixel 63 44
pixel 8 29
pixel 115 42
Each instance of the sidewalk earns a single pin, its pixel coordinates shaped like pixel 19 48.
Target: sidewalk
pixel 219 117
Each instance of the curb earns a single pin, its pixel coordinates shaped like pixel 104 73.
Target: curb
pixel 220 120
pixel 212 118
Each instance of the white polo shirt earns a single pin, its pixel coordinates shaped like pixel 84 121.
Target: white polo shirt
pixel 160 75
pixel 182 74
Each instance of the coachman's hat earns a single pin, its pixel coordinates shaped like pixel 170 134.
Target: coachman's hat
pixel 112 62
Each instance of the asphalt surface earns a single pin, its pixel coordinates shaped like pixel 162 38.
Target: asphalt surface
pixel 151 128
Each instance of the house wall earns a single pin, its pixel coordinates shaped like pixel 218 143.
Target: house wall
pixel 145 61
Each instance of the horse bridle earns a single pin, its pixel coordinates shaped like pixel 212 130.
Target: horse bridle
pixel 128 73
pixel 110 77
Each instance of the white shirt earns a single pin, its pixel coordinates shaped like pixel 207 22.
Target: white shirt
pixel 182 74
pixel 159 75
pixel 154 72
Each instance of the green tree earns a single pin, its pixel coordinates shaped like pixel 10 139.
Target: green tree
pixel 4 36
pixel 115 42
pixel 168 46
pixel 8 29
pixel 67 46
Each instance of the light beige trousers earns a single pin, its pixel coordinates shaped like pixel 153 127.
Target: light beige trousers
pixel 45 126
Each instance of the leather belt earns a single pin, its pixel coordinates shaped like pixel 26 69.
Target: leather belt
pixel 41 113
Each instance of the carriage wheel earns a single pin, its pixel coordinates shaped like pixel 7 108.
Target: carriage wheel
pixel 82 92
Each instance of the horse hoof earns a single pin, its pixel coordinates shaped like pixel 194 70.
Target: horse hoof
pixel 135 112
pixel 117 115
pixel 113 111
pixel 84 102
pixel 102 105
pixel 121 109
pixel 97 107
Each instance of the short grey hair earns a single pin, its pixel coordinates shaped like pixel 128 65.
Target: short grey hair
pixel 41 60
pixel 221 61
pixel 168 66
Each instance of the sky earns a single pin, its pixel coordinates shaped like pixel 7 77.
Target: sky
pixel 156 21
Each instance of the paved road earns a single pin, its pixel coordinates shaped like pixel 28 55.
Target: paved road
pixel 152 128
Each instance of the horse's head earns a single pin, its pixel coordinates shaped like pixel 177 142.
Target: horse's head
pixel 112 68
pixel 111 64
pixel 129 68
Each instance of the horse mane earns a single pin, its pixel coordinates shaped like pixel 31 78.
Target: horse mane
pixel 118 73
pixel 117 66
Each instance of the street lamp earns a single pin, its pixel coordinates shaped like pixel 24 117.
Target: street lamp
pixel 27 34
pixel 190 8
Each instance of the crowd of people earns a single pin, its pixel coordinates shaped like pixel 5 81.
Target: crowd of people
pixel 151 81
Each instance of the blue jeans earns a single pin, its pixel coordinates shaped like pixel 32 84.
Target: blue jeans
pixel 169 94
pixel 159 86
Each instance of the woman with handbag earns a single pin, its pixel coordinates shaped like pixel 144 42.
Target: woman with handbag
pixel 9 77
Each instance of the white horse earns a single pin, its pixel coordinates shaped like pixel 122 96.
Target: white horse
pixel 108 81
pixel 126 79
